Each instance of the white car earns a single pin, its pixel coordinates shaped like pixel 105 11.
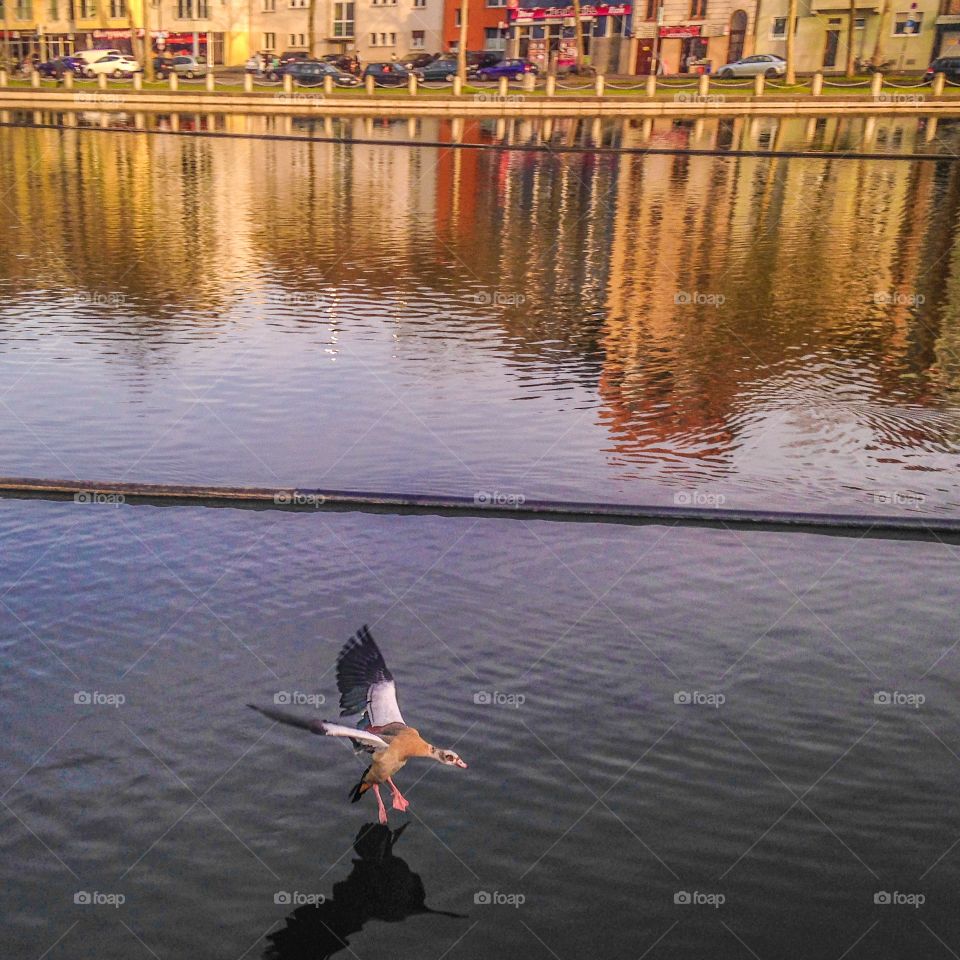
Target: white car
pixel 769 64
pixel 91 56
pixel 114 65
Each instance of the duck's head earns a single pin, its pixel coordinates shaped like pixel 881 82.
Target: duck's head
pixel 448 757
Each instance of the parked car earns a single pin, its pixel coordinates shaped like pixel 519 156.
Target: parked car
pixel 343 62
pixel 61 65
pixel 387 74
pixel 946 65
pixel 768 64
pixel 290 55
pixel 444 70
pixel 91 56
pixel 506 68
pixel 183 66
pixel 310 73
pixel 416 61
pixel 477 59
pixel 113 65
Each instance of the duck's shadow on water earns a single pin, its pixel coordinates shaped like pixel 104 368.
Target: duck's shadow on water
pixel 381 886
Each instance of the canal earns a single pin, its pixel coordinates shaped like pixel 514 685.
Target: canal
pixel 680 742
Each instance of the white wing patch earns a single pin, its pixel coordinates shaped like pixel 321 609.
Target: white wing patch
pixel 382 706
pixel 339 730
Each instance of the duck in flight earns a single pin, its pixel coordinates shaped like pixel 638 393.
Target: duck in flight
pixel 367 687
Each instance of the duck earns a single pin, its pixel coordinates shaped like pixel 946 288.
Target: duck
pixel 367 687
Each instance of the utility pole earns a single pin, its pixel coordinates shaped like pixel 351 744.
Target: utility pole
pixel 791 77
pixel 312 28
pixel 147 43
pixel 655 60
pixel 462 48
pixel 7 58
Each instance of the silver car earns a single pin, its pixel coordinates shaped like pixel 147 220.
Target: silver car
pixel 768 64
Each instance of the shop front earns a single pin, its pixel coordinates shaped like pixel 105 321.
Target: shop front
pixel 538 33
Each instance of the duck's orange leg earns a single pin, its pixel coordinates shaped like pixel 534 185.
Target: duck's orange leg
pixel 400 802
pixel 381 809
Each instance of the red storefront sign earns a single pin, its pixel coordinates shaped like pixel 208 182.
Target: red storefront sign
pixel 682 31
pixel 114 34
pixel 525 13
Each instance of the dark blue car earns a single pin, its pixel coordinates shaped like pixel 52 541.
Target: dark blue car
pixel 506 68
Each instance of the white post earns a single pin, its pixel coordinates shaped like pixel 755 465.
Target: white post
pixel 287 83
pixel 102 81
pixel 503 87
pixel 248 83
pixel 457 86
pixel 4 80
pixel 816 85
pixel 370 82
pixel 551 90
pixel 876 84
pixel 412 84
pixel 703 85
pixel 327 85
pixel 137 81
pixel 938 82
pixel 34 78
pixel 211 81
pixel 651 85
pixel 598 84
pixel 68 79
pixel 758 82
pixel 174 80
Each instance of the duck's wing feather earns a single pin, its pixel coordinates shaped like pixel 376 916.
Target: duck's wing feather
pixel 360 737
pixel 365 683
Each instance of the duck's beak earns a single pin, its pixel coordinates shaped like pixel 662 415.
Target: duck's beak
pixel 460 763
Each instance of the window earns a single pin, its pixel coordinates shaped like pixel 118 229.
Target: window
pixel 343 19
pixel 118 9
pixel 698 9
pixel 418 40
pixel 494 39
pixel 295 4
pixel 859 23
pixel 87 9
pixel 419 3
pixel 778 28
pixel 496 3
pixel 269 41
pixel 651 11
pixel 617 24
pixel 269 6
pixel 456 17
pixel 53 13
pixel 23 10
pixel 600 27
pixel 907 24
pixel 298 39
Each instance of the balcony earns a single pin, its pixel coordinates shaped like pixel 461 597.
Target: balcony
pixel 838 6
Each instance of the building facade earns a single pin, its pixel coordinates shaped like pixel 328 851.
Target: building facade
pixel 487 25
pixel 910 32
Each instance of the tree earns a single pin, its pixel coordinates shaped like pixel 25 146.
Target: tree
pixel 791 77
pixel 312 28
pixel 578 34
pixel 462 47
pixel 851 32
pixel 881 26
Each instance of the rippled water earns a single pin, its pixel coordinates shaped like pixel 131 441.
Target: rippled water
pixel 766 719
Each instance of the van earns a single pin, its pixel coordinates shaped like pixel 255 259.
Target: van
pixel 92 56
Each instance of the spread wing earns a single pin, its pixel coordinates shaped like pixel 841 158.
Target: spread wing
pixel 365 683
pixel 360 738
